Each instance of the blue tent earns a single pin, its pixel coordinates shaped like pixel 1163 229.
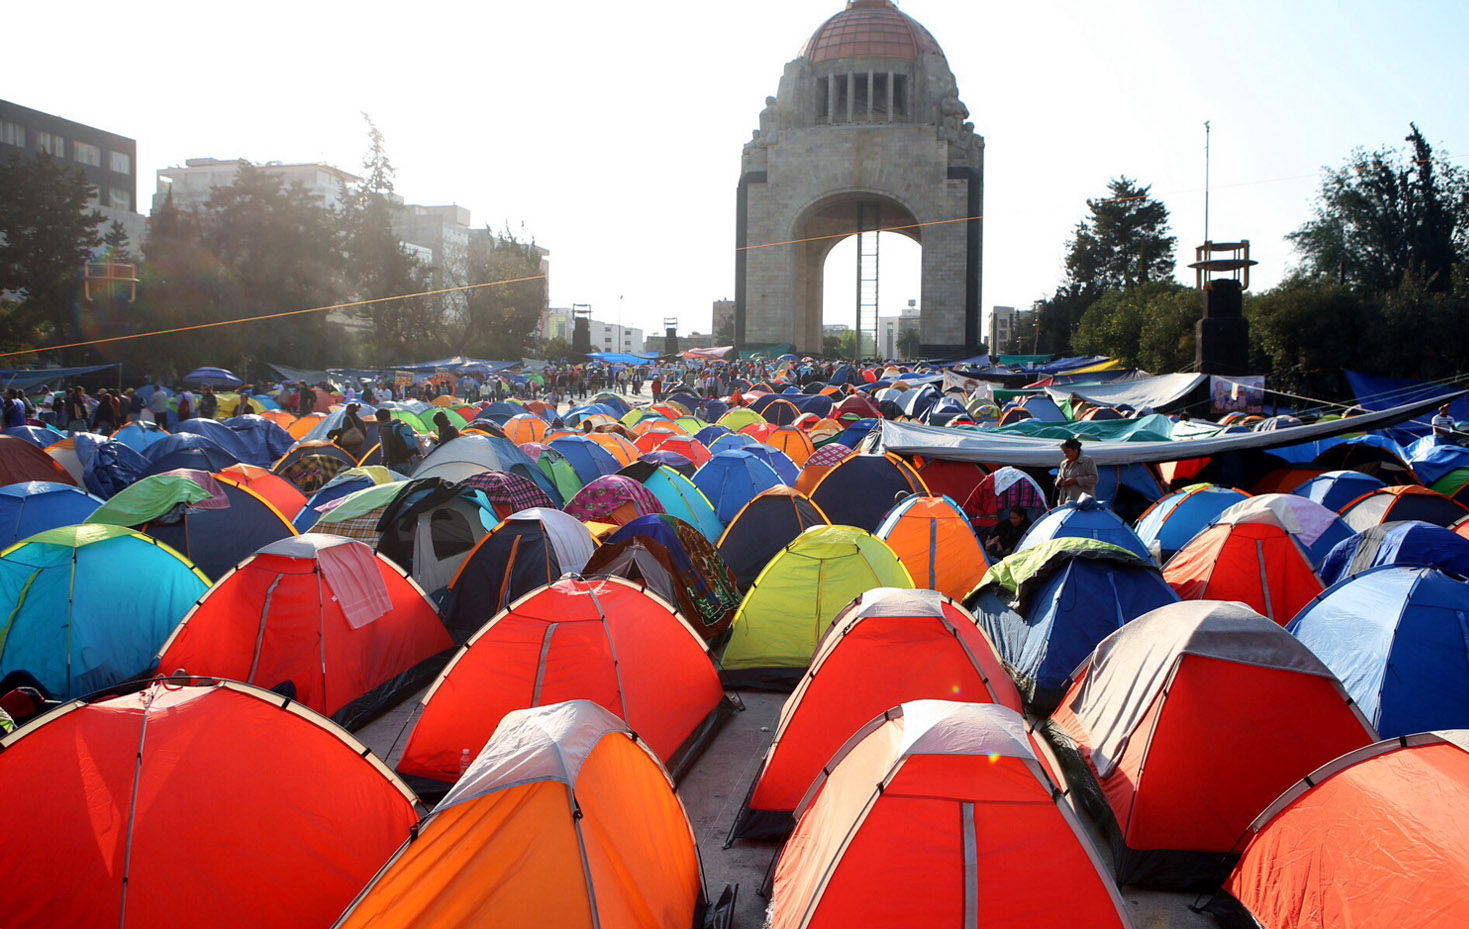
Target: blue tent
pixel 1087 519
pixel 1397 638
pixel 682 498
pixel 90 606
pixel 250 439
pixel 731 442
pixel 187 450
pixel 588 459
pixel 1335 489
pixel 731 479
pixel 1136 478
pixel 778 461
pixel 1172 521
pixel 710 433
pixel 861 489
pixel 41 437
pixel 35 506
pixel 139 434
pixel 1047 608
pixel 1408 543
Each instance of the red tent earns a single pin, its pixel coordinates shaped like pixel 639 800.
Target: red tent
pixel 22 461
pixel 603 639
pixel 1377 839
pixel 238 808
pixel 1191 719
pixel 1257 564
pixel 941 814
pixel 345 627
pixel 888 647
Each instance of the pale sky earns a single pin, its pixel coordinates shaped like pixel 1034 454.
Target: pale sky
pixel 612 131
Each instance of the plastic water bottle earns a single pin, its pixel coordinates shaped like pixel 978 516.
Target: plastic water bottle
pixel 463 760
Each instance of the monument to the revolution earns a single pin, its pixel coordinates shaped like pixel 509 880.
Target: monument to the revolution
pixel 865 132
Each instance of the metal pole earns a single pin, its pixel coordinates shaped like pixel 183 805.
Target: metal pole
pixel 1207 131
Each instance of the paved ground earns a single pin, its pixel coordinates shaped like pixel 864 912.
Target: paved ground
pixel 715 787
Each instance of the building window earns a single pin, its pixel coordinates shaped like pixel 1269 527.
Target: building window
pixel 51 144
pixel 839 101
pixel 861 101
pixel 823 100
pixel 119 199
pixel 120 162
pixel 880 96
pixel 12 133
pixel 87 154
pixel 900 95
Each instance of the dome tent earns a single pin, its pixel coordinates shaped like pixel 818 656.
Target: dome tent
pixel 1047 607
pixel 862 488
pixel 937 814
pixel 1395 636
pixel 1083 519
pixel 132 831
pixel 1167 525
pixel 89 606
pixel 1224 710
pixel 671 558
pixel 1410 544
pixel 1258 564
pixel 888 647
pixel 529 550
pixel 602 639
pixel 1335 490
pixel 1312 525
pixel 732 479
pixel 932 537
pixel 344 627
pixel 501 850
pixel 798 595
pixel 763 527
pixel 30 507
pixel 1376 839
pixel 1394 504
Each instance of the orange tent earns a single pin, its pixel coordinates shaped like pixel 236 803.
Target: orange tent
pixel 760 431
pixel 655 435
pixel 887 647
pixel 933 539
pixel 500 849
pixel 238 807
pixel 1393 504
pixel 300 428
pixel 1377 839
pixel 793 442
pixel 21 461
pixel 281 418
pixel 941 814
pixel 525 427
pixel 624 451
pixel 1257 564
pixel 1222 710
pixel 603 639
pixel 277 491
pixel 689 447
pixel 345 627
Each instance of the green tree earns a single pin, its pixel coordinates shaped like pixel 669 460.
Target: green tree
pixel 1387 214
pixel 1150 326
pixel 557 349
pixel 499 321
pixel 1304 332
pixel 724 334
pixel 377 265
pixel 1123 242
pixel 910 343
pixel 117 244
pixel 48 231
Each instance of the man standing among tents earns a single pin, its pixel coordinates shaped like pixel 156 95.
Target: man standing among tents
pixel 1077 475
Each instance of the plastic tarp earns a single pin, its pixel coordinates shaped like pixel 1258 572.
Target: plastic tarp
pixel 25 379
pixel 982 447
pixel 251 439
pixel 1153 392
pixel 1381 393
pixel 1407 543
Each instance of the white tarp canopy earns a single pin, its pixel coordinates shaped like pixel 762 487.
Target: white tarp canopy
pixel 1154 392
pixel 1026 451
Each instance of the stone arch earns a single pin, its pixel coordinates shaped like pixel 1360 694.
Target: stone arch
pixel 818 228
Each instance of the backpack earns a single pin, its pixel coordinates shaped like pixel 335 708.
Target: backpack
pixel 395 446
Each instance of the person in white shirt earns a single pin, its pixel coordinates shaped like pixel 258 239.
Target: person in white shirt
pixel 1444 427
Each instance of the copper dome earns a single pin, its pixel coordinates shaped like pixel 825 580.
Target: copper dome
pixel 869 29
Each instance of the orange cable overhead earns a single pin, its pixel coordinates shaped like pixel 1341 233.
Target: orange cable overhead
pixel 252 319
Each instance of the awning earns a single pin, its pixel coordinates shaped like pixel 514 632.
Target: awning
pixel 990 448
pixel 26 379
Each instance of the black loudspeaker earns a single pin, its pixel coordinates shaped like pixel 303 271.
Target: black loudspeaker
pixel 1222 343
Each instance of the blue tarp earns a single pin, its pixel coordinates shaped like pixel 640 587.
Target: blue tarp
pixel 1380 393
pixel 109 465
pixel 26 378
pixel 251 439
pixel 187 450
pixel 212 377
pixel 1395 637
pixel 622 358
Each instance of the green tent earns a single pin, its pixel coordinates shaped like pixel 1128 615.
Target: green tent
pixel 796 597
pixel 148 499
